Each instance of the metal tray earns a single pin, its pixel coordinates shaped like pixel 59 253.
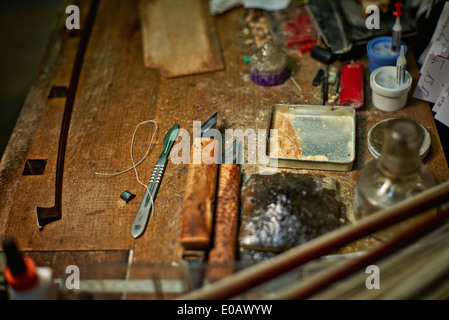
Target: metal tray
pixel 312 137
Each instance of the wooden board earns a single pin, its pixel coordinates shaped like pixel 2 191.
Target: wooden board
pixel 179 37
pixel 115 93
pixel 93 215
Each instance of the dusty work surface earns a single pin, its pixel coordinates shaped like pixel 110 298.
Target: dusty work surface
pixel 116 92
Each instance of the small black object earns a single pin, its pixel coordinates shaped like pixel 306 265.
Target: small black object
pixel 325 88
pixel 318 78
pixel 127 196
pixel 321 54
pixel 13 257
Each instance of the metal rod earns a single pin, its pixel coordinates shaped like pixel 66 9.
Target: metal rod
pixel 309 288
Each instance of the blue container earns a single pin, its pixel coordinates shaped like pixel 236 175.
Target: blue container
pixel 380 54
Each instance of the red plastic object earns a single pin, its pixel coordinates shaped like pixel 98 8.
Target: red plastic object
pixel 352 85
pixel 299 31
pixel 306 48
pixel 25 281
pixel 398 12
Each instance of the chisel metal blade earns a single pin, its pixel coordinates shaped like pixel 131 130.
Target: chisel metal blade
pixel 211 123
pixel 233 154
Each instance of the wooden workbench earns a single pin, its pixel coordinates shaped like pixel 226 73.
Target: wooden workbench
pixel 115 93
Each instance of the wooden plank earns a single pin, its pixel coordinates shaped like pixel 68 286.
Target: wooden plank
pixel 55 70
pixel 103 120
pixel 116 92
pixel 179 37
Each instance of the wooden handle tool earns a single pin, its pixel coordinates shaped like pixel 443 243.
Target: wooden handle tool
pixel 199 199
pixel 227 215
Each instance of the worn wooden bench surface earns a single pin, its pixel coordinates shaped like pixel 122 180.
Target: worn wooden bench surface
pixel 116 92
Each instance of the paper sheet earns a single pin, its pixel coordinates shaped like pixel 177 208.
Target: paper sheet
pixel 221 6
pixel 443 113
pixel 434 78
pixel 442 98
pixel 268 5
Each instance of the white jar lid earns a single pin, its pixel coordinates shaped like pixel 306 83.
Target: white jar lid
pixel 383 82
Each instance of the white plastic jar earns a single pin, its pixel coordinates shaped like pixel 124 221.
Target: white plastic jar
pixel 386 94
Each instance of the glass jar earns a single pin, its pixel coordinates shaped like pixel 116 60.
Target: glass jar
pixel 396 176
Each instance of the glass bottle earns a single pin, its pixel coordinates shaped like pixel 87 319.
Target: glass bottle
pixel 397 175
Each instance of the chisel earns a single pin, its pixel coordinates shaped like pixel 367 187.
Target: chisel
pixel 224 246
pixel 199 197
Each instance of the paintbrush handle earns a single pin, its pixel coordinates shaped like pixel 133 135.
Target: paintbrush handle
pixel 199 197
pixel 227 215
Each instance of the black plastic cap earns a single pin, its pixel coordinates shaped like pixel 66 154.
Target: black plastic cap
pixel 14 259
pixel 323 55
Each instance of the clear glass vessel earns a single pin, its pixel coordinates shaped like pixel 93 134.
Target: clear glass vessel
pixel 397 175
